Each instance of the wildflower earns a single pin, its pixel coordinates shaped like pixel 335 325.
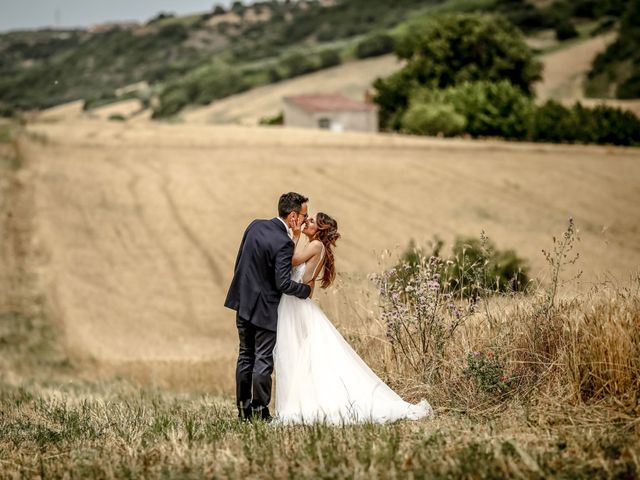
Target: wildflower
pixel 489 354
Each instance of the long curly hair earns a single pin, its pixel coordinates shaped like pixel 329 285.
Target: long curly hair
pixel 328 234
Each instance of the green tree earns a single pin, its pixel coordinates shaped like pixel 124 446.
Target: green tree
pixel 452 49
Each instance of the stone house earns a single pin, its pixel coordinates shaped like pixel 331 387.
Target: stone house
pixel 330 112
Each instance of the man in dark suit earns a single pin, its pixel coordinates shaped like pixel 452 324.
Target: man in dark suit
pixel 261 275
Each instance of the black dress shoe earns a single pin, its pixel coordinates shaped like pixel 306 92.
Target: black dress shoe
pixel 262 413
pixel 245 415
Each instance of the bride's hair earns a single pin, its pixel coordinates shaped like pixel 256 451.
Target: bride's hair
pixel 328 234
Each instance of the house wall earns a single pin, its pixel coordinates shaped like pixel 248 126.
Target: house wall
pixel 366 121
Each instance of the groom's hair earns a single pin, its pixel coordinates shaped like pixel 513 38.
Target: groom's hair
pixel 290 202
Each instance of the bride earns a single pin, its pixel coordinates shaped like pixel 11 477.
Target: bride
pixel 319 377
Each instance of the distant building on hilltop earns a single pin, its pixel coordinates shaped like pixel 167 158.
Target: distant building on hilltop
pixel 330 112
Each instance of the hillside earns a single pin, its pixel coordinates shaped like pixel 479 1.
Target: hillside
pixel 197 59
pixel 351 79
pixel 565 70
pixel 139 224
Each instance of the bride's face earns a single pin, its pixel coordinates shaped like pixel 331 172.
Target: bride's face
pixel 310 227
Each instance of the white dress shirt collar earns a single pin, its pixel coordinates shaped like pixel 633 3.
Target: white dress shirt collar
pixel 289 231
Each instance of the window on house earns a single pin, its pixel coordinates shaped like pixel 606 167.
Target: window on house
pixel 324 123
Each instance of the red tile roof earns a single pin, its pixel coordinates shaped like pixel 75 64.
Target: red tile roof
pixel 328 103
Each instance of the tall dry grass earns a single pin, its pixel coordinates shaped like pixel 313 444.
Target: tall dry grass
pixel 483 353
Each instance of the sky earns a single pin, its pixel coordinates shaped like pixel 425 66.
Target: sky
pixel 30 14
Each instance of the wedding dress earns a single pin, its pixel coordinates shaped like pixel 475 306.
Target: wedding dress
pixel 320 378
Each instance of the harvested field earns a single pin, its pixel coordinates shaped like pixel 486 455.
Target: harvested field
pixel 141 223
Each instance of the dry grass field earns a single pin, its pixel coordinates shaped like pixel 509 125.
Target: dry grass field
pixel 118 245
pixel 140 224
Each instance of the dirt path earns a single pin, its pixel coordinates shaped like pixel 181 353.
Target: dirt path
pixel 142 222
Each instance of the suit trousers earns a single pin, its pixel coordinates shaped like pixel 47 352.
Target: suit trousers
pixel 254 369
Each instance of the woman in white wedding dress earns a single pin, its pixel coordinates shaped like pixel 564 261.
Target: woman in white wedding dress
pixel 319 377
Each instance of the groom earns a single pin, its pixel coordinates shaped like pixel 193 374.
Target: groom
pixel 261 275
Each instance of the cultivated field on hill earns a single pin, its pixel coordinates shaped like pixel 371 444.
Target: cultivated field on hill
pixel 139 224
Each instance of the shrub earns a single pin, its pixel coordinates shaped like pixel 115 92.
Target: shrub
pixel 201 87
pixel 488 109
pixel 433 119
pixel 493 109
pixel 602 124
pixel 375 45
pixel 172 100
pixel 274 120
pixel 475 268
pixel 298 64
pixel 566 30
pixel 118 117
pixel 630 88
pixel 330 58
pixel 615 126
pixel 174 32
pixel 553 122
pixel 488 371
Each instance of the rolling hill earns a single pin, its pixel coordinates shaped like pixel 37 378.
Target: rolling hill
pixel 196 59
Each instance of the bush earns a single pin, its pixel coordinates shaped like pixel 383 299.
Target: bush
pixel 433 119
pixel 201 87
pixel 615 126
pixel 604 125
pixel 172 100
pixel 476 267
pixel 117 117
pixel 275 120
pixel 553 122
pixel 493 109
pixel 330 58
pixel 566 30
pixel 174 32
pixel 488 109
pixel 630 88
pixel 375 45
pixel 297 64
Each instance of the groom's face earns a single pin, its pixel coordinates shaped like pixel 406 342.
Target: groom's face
pixel 301 216
pixel 298 218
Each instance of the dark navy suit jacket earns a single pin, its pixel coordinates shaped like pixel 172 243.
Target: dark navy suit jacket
pixel 263 273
